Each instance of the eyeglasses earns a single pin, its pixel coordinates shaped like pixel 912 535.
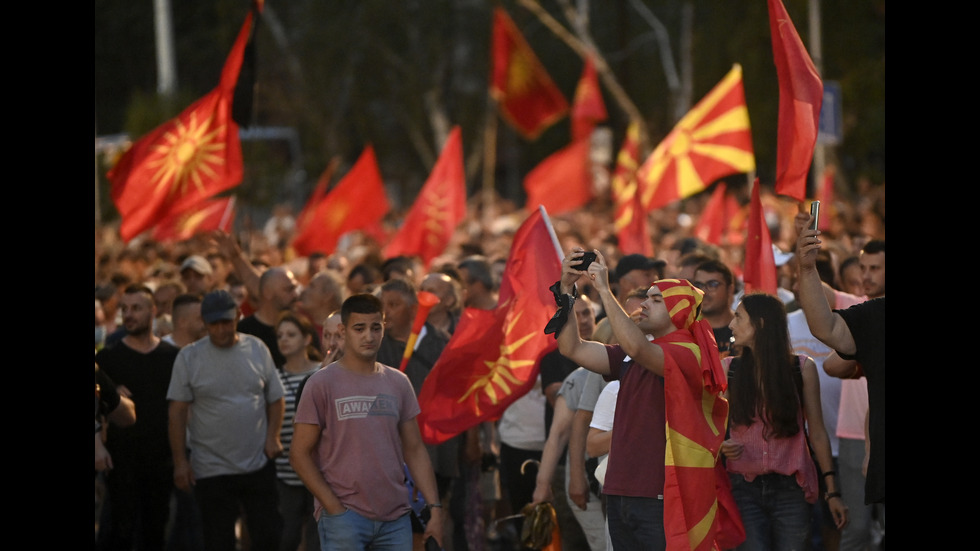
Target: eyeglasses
pixel 706 285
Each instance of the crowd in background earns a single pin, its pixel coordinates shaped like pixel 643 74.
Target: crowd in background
pixel 234 263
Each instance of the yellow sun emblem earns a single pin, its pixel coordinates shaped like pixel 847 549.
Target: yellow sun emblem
pixel 500 372
pixel 187 156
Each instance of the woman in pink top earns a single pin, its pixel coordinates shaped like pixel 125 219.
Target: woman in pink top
pixel 774 398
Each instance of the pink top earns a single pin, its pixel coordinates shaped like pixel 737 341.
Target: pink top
pixel 788 456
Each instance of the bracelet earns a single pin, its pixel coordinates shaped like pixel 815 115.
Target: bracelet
pixel 439 505
pixel 828 473
pixel 830 495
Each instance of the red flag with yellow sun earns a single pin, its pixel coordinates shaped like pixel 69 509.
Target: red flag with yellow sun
pixel 712 141
pixel 492 359
pixel 440 207
pixel 185 160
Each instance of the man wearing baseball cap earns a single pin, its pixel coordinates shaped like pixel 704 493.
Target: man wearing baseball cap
pixel 233 427
pixel 196 274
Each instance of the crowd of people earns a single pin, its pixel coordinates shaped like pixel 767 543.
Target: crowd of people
pixel 249 398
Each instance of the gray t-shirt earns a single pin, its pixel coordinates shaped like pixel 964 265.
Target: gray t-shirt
pixel 229 389
pixel 581 389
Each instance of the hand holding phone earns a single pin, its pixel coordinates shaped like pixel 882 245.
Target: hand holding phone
pixel 587 259
pixel 815 214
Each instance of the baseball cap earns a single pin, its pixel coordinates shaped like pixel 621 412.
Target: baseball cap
pixel 197 263
pixel 218 306
pixel 632 262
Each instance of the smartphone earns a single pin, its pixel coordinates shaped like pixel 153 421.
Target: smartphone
pixel 815 214
pixel 587 258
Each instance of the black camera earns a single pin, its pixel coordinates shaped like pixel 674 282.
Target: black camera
pixel 587 258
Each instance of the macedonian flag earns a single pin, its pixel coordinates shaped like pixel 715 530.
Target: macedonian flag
pixel 357 202
pixel 209 215
pixel 712 141
pixel 492 359
pixel 527 97
pixel 630 218
pixel 439 208
pixel 185 160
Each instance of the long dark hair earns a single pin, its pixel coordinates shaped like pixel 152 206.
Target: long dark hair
pixel 775 398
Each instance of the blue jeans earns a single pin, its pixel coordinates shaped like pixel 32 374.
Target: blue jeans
pixel 774 512
pixel 350 531
pixel 636 523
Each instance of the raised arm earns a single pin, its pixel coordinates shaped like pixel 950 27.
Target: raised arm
pixel 825 325
pixel 588 354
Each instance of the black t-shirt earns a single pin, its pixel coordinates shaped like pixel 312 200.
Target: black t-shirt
pixel 147 376
pixel 866 322
pixel 554 369
pixel 266 333
pixel 723 335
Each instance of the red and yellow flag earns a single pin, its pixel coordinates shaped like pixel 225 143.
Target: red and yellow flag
pixel 630 218
pixel 759 271
pixel 800 98
pixel 719 218
pixel 358 201
pixel 185 160
pixel 209 215
pixel 588 109
pixel 438 210
pixel 562 182
pixel 527 97
pixel 492 358
pixel 712 141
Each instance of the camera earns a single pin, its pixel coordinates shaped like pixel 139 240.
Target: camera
pixel 587 258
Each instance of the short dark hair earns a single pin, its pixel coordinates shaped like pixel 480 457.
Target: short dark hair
pixel 874 246
pixel 137 288
pixel 717 267
pixel 845 264
pixel 478 268
pixel 362 303
pixel 187 298
pixel 403 286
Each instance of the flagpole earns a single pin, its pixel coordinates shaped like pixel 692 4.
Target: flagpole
pixel 551 232
pixel 489 161
pixel 225 216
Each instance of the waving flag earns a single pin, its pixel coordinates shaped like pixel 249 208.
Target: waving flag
pixel 492 358
pixel 587 107
pixel 438 210
pixel 759 272
pixel 209 215
pixel 712 141
pixel 185 160
pixel 562 182
pixel 630 218
pixel 719 216
pixel 319 192
pixel 358 201
pixel 527 97
pixel 800 97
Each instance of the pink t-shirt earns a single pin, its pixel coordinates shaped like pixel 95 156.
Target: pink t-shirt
pixel 360 448
pixel 853 392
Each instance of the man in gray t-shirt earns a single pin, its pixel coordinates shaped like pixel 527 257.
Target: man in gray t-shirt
pixel 233 428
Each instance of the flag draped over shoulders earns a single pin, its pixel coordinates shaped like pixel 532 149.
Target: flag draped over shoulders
pixel 185 160
pixel 492 358
pixel 699 511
